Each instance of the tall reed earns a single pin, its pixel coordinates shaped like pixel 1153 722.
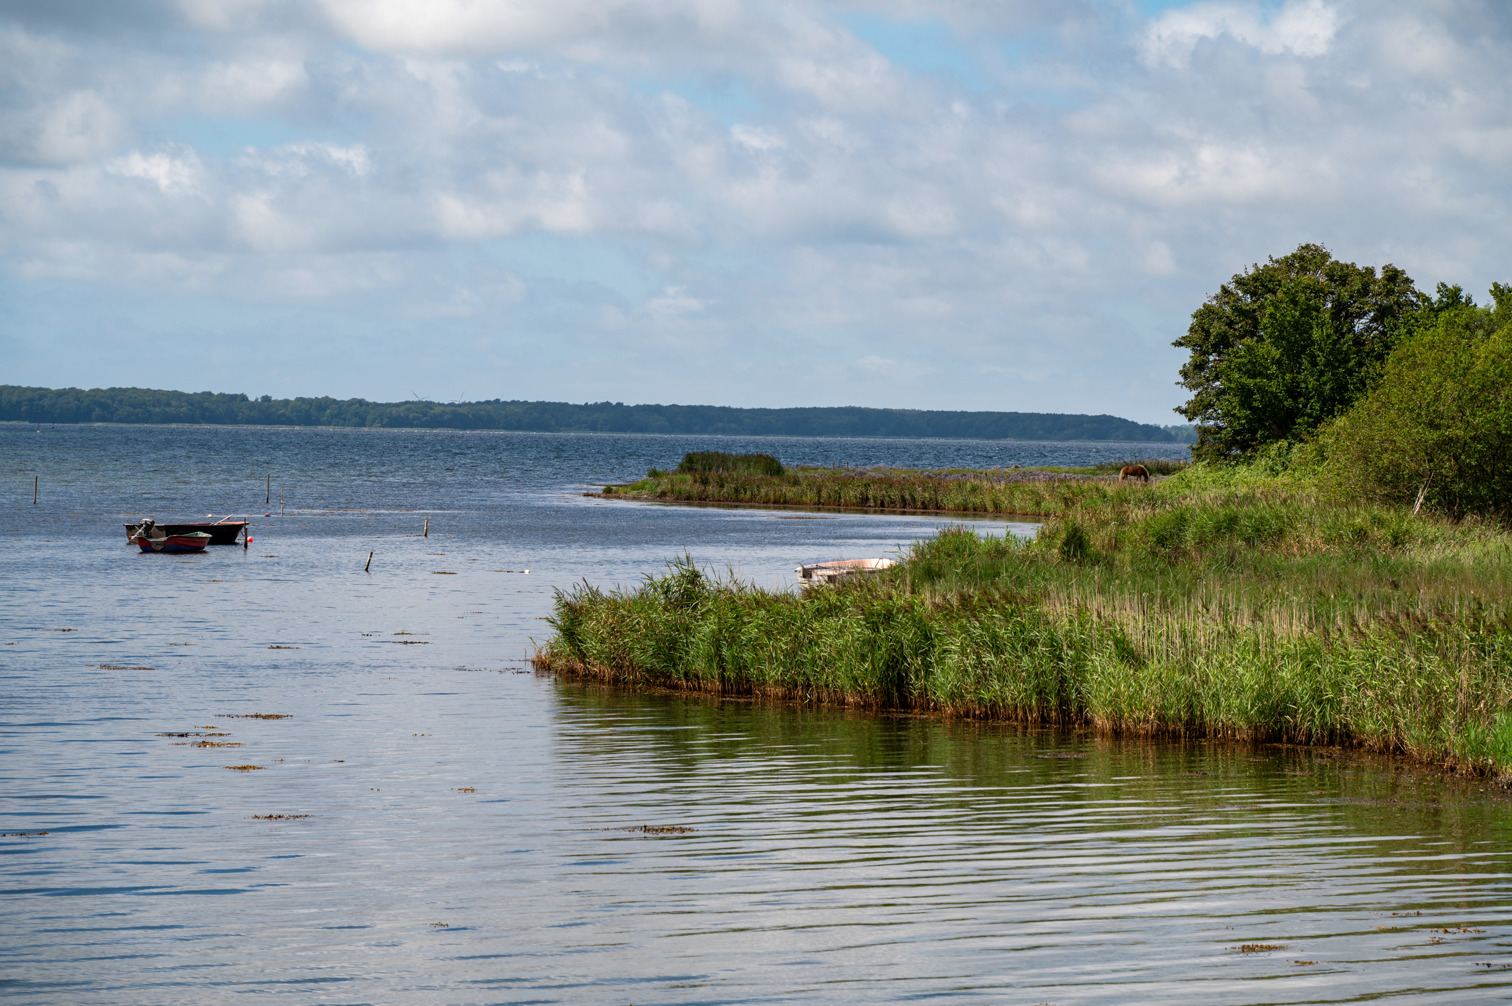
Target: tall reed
pixel 1228 606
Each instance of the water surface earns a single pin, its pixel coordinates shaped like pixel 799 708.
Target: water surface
pixel 478 834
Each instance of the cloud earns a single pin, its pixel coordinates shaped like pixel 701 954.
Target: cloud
pixel 745 198
pixel 1303 28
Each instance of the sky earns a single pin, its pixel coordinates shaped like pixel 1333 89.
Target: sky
pixel 1011 205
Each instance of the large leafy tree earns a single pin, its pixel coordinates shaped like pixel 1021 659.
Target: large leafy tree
pixel 1285 346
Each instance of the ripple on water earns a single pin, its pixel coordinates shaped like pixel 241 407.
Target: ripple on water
pixel 421 832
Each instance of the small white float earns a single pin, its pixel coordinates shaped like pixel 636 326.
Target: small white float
pixel 829 572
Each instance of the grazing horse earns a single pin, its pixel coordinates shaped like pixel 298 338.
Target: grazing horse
pixel 1134 472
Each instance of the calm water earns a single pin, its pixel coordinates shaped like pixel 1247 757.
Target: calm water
pixel 468 837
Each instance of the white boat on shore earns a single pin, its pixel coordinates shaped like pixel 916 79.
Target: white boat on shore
pixel 829 572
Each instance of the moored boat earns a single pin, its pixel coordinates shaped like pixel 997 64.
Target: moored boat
pixel 194 541
pixel 829 572
pixel 221 533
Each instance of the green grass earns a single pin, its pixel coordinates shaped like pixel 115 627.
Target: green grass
pixel 1029 492
pixel 1216 603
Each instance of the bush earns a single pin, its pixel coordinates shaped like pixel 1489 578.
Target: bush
pixel 1437 429
pixel 710 462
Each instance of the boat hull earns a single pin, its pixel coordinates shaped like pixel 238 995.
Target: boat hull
pixel 829 572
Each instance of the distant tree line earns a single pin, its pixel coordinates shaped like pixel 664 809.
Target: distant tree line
pixel 141 405
pixel 1379 390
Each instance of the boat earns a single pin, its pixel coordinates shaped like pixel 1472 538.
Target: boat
pixel 829 572
pixel 223 532
pixel 150 541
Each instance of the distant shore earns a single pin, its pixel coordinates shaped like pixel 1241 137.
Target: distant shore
pixel 153 406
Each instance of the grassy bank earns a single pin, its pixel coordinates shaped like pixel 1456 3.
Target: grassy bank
pixel 1029 492
pixel 1214 603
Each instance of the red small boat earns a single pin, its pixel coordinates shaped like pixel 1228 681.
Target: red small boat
pixel 195 541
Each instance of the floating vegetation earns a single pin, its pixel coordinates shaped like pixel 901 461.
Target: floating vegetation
pixel 406 642
pixel 192 733
pixel 245 768
pixel 33 834
pixel 1260 948
pixel 442 572
pixel 216 744
pixel 255 716
pixel 439 925
pixel 1304 964
pixel 466 789
pixel 279 817
pixel 276 646
pixel 123 667
pixel 655 829
pixel 65 630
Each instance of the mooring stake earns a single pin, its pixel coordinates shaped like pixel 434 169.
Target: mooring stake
pixel 368 563
pixel 426 533
pixel 36 481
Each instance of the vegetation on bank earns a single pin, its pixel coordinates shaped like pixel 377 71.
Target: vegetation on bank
pixel 1306 349
pixel 1336 568
pixel 1031 492
pixel 706 462
pixel 1224 601
pixel 142 405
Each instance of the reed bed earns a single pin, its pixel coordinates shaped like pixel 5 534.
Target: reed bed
pixel 1214 604
pixel 1007 491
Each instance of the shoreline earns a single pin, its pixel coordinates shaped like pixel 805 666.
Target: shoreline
pixel 598 677
pixel 1029 493
pixel 819 507
pixel 1219 602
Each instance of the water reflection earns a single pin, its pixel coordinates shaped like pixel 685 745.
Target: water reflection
pixel 938 859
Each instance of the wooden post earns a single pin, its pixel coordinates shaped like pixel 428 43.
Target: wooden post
pixel 268 491
pixel 368 563
pixel 280 501
pixel 246 537
pixel 36 481
pixel 426 532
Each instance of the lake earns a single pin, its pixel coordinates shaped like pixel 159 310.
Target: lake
pixel 267 776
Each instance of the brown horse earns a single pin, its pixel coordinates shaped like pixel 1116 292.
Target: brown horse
pixel 1134 472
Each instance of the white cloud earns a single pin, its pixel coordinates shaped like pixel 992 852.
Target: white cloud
pixel 752 189
pixel 1301 27
pixel 172 173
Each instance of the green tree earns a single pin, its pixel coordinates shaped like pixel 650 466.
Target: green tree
pixel 1436 429
pixel 1285 346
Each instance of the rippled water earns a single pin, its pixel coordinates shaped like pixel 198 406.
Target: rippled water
pixel 475 833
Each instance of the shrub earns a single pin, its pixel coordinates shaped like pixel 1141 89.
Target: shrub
pixel 711 462
pixel 1437 429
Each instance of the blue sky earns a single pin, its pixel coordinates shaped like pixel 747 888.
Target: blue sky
pixel 893 203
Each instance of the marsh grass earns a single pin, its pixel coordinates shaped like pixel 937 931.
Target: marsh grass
pixel 1222 604
pixel 1028 493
